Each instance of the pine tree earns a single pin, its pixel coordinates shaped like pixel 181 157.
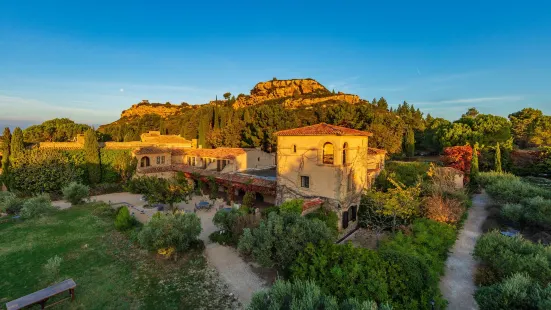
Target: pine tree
pixel 91 149
pixel 410 143
pixel 17 146
pixel 474 161
pixel 498 159
pixel 6 141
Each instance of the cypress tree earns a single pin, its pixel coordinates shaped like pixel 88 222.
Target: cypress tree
pixel 17 146
pixel 6 141
pixel 162 126
pixel 474 161
pixel 91 149
pixel 410 143
pixel 202 134
pixel 498 159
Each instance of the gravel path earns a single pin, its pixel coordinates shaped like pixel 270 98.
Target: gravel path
pixel 457 285
pixel 239 275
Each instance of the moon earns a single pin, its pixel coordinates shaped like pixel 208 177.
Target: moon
pixel 121 90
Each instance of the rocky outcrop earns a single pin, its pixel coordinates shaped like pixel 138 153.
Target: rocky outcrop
pixel 141 109
pixel 293 94
pixel 293 103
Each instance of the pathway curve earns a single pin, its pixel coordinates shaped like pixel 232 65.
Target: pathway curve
pixel 457 285
pixel 237 273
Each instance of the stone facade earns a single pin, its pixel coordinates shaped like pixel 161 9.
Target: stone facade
pixel 334 165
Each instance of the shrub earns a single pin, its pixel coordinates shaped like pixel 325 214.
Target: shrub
pixel 293 206
pixel 507 188
pixel 279 239
pixel 485 276
pixel 51 268
pixel 330 218
pixel 334 267
pixel 507 256
pixel 42 170
pixel 408 173
pixel 512 212
pixel 400 278
pixel 37 206
pixel 248 199
pixel 304 295
pixel 221 237
pixel 429 240
pixel 124 221
pixel 103 209
pixel 538 212
pixel 233 222
pixel 75 193
pixel 9 203
pixel 178 230
pixel 518 291
pixel 441 209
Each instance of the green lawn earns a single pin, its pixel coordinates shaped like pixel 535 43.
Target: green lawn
pixel 110 272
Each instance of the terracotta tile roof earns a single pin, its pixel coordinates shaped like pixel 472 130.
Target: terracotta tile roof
pixel 322 129
pixel 374 151
pixel 158 150
pixel 231 177
pixel 221 152
pixel 311 203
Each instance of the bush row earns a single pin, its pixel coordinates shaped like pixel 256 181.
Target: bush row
pixel 404 272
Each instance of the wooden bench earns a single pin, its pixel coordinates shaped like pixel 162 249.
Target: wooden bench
pixel 42 296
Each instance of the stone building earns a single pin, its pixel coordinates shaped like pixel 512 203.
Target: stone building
pixel 326 163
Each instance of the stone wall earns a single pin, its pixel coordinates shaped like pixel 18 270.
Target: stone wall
pixel 138 110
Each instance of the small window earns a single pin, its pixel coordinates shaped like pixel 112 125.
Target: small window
pixel 328 153
pixel 162 159
pixel 158 160
pixel 305 181
pixel 294 148
pixel 350 183
pixel 258 158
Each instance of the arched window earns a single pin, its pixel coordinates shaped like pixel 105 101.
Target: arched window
pixel 294 148
pixel 144 162
pixel 328 153
pixel 344 153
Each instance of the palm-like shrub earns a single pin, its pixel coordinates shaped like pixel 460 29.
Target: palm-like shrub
pixel 75 193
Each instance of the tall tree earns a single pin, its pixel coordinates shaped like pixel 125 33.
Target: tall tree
pixel 471 113
pixel 498 159
pixel 474 161
pixel 6 141
pixel 227 95
pixel 410 143
pixel 91 149
pixel 521 122
pixel 17 146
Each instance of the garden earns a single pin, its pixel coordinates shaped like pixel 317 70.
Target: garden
pixel 514 254
pixel 418 209
pixel 115 262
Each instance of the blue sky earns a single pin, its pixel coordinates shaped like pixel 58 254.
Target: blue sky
pixel 90 61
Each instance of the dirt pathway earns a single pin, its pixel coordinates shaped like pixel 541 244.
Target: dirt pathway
pixel 457 285
pixel 240 276
pixel 237 273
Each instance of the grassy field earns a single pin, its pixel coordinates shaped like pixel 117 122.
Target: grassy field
pixel 110 272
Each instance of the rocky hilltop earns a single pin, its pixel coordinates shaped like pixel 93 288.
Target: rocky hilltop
pixel 144 107
pixel 294 93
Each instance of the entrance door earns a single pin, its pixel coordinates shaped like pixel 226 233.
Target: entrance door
pixel 345 220
pixel 354 210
